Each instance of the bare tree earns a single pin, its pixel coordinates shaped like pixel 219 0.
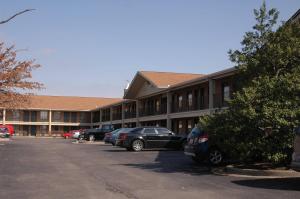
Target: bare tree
pixel 16 82
pixel 19 13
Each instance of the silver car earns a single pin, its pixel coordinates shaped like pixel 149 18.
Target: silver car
pixel 296 155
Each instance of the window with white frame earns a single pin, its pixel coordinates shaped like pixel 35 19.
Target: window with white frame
pixel 190 100
pixel 180 101
pixel 226 93
pixel 44 115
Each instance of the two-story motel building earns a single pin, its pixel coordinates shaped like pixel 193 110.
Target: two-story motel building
pixel 172 100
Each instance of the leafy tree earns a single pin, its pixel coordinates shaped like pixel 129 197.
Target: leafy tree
pixel 15 79
pixel 265 107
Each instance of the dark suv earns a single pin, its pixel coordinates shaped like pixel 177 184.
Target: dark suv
pixel 150 137
pixel 200 149
pixel 96 134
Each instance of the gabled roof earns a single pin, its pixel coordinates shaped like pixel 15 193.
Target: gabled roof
pixel 295 16
pixel 167 79
pixel 68 102
pixel 157 81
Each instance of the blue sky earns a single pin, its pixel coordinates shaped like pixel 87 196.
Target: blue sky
pixel 91 48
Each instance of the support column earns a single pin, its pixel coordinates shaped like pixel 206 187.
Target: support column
pixel 4 116
pixel 100 120
pixel 212 89
pixel 111 114
pixel 50 121
pixel 137 113
pixel 91 122
pixel 123 115
pixel 169 110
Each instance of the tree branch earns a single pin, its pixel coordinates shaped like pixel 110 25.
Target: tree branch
pixel 19 13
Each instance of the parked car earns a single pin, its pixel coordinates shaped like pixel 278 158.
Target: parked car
pixel 115 136
pixel 10 128
pixel 141 138
pixel 4 132
pixel 77 133
pixel 67 135
pixel 107 136
pixel 96 133
pixel 112 136
pixel 296 155
pixel 199 148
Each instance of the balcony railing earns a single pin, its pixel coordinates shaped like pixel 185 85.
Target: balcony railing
pixel 129 115
pixel 176 109
pixel 117 116
pixel 150 112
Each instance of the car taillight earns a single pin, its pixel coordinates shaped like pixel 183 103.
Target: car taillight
pixel 203 138
pixel 122 136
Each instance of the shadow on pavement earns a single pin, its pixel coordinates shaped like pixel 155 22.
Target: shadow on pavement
pixel 272 183
pixel 172 162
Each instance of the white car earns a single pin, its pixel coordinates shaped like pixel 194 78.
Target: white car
pixel 76 134
pixel 296 155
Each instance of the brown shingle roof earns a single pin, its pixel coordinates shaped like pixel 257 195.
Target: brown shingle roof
pixel 69 102
pixel 165 79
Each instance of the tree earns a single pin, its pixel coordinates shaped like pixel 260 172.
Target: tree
pixel 265 107
pixel 13 16
pixel 15 79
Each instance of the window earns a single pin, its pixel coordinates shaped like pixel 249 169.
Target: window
pixel 157 105
pixel 56 116
pixel 44 129
pixel 190 100
pixel 189 124
pixel 149 131
pixel 56 128
pixel 226 93
pixel 26 116
pixel 180 124
pixel 73 117
pixel 33 116
pixel 163 131
pixel 82 117
pixel 16 115
pixel 66 116
pixel 136 130
pixel 180 101
pixel 66 128
pixel 44 115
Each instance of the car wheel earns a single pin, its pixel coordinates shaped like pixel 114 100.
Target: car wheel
pixel 215 157
pixel 137 145
pixel 91 138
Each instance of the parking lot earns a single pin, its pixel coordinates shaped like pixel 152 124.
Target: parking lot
pixel 57 168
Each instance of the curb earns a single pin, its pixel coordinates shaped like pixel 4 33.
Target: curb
pixel 255 173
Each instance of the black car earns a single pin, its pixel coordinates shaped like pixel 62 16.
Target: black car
pixel 141 138
pixel 96 133
pixel 200 149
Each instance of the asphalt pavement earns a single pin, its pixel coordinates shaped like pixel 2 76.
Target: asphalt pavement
pixel 39 168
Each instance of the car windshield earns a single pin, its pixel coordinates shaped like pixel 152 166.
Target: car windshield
pixel 3 130
pixel 115 131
